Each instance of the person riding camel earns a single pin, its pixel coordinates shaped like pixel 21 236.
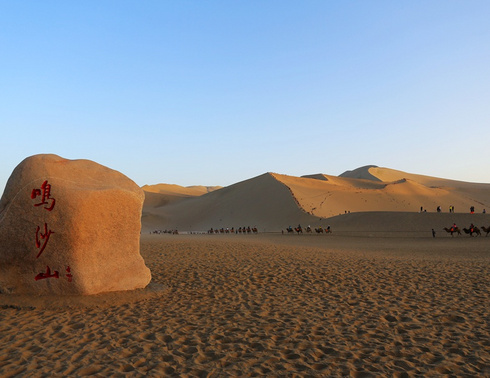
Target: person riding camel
pixel 472 228
pixel 454 227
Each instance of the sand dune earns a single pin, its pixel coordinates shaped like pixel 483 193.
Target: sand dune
pixel 260 202
pixel 362 173
pixel 273 201
pixel 177 190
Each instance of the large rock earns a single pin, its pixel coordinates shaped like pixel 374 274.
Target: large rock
pixel 70 227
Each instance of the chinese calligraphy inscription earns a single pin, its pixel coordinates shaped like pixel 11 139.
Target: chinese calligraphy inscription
pixel 48 202
pixel 40 236
pixel 45 193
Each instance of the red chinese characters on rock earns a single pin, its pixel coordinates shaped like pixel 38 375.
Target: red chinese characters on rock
pixel 55 274
pixel 42 276
pixel 40 236
pixel 45 193
pixel 68 274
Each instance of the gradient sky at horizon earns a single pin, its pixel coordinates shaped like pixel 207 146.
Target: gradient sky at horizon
pixel 217 92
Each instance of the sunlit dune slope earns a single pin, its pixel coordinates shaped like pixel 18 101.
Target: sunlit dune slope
pixel 338 195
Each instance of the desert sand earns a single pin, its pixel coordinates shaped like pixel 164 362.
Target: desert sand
pixel 377 297
pixel 269 304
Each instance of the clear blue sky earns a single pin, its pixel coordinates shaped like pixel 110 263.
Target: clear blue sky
pixel 216 92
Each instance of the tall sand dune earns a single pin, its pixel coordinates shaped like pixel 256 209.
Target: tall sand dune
pixel 261 202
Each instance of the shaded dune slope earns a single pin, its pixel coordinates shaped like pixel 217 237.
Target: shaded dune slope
pixel 390 223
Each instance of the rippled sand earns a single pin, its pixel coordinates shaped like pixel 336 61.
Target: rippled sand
pixel 253 305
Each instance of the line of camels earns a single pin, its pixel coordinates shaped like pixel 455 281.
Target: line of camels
pixel 244 230
pixel 452 230
pixel 299 230
pixel 470 231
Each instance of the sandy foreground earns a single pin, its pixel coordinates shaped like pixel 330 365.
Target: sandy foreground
pixel 269 304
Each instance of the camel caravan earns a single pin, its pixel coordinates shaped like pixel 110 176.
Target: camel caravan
pixel 240 230
pixel 308 229
pixel 469 231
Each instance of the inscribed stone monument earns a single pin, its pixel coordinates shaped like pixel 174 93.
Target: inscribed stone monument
pixel 70 227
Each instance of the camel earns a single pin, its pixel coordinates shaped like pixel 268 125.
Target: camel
pixel 452 230
pixel 474 230
pixel 321 230
pixel 486 229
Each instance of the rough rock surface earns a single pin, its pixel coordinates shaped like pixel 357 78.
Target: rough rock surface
pixel 70 227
